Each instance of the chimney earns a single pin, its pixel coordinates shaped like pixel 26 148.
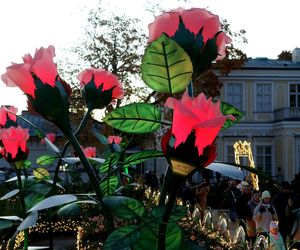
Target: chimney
pixel 296 55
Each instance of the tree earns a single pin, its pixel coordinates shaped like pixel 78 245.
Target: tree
pixel 115 43
pixel 285 55
pixel 208 82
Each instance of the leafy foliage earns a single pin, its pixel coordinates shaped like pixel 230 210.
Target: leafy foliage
pixel 135 118
pixel 166 67
pixel 228 109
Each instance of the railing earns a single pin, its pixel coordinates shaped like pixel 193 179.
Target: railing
pixel 287 114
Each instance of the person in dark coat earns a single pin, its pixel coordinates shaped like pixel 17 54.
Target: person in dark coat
pixel 280 202
pixel 241 204
pixel 232 193
pixel 243 199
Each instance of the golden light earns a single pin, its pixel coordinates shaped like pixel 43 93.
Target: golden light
pixel 243 149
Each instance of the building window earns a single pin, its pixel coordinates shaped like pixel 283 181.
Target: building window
pixel 230 154
pixel 294 95
pixel 234 94
pixel 264 158
pixel 263 97
pixel 298 158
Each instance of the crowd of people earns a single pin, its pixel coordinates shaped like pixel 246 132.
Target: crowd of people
pixel 276 218
pixel 262 213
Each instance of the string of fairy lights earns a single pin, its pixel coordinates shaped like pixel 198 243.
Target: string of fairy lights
pixel 210 226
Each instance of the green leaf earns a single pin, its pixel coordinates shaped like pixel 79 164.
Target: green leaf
pixel 46 159
pixel 174 237
pixel 228 109
pixel 122 238
pixel 178 212
pixel 10 194
pixel 109 162
pixel 27 164
pixel 32 199
pixel 109 185
pixel 73 209
pixel 54 201
pixel 52 146
pixel 39 188
pixel 125 207
pixel 189 245
pixel 166 67
pixel 148 234
pixel 11 217
pixel 100 137
pixel 29 221
pixel 141 157
pixel 5 224
pixel 41 174
pixel 136 118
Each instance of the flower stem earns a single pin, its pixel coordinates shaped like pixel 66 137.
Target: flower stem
pixel 165 187
pixel 26 231
pixel 65 147
pixel 91 173
pixel 162 229
pixel 190 89
pixel 87 166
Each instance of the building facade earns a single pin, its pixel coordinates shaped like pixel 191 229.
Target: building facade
pixel 268 92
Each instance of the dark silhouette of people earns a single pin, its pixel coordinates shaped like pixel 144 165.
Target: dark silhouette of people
pixel 151 180
pixel 280 203
pixel 232 193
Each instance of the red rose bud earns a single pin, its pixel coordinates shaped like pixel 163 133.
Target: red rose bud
pixel 99 88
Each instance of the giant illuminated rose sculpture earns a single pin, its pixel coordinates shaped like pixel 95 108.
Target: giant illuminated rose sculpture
pixel 182 44
pixel 196 30
pixel 37 77
pixel 7 114
pixel 14 140
pixel 199 115
pixel 99 88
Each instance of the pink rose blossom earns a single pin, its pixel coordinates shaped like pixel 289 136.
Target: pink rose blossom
pixel 51 137
pixel 194 20
pixel 14 138
pixel 89 152
pixel 41 65
pixel 196 114
pixel 114 139
pixel 102 78
pixel 4 112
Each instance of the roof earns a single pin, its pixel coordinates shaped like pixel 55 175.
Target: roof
pixel 266 63
pixel 45 126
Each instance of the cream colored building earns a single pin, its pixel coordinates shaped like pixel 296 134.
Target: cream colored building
pixel 268 92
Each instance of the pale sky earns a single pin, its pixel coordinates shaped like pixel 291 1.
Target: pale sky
pixel 271 26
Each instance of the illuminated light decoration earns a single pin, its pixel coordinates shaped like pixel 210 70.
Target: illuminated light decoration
pixel 243 149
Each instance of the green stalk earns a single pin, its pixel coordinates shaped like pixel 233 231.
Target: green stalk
pixel 162 229
pixel 91 173
pixel 190 89
pixel 65 147
pixel 87 166
pixel 26 231
pixel 165 187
